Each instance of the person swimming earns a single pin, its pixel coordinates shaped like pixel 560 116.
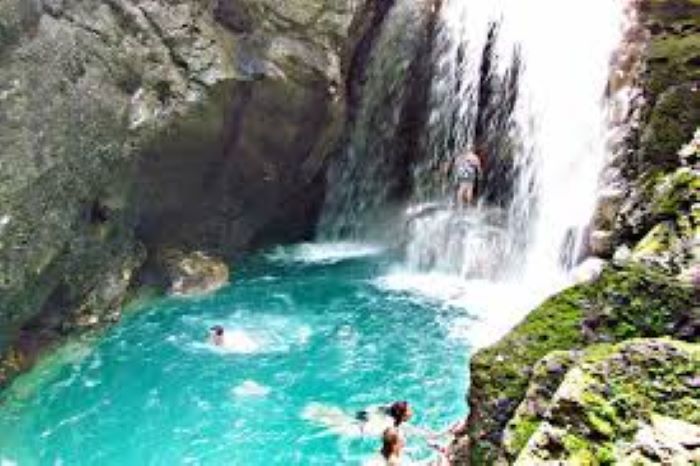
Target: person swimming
pixel 400 412
pixel 216 335
pixel 392 446
pixel 232 341
pixel 391 451
pixel 384 416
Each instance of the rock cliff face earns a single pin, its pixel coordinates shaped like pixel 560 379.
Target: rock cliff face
pixel 132 127
pixel 548 392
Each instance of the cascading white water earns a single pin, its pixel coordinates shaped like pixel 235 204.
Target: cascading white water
pixel 523 251
pixel 527 79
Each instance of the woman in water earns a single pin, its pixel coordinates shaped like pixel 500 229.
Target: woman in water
pixel 391 452
pixel 401 413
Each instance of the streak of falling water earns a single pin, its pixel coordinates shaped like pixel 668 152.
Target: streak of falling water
pixel 557 133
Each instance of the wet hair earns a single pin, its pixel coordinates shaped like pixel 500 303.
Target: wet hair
pixel 398 411
pixel 218 330
pixel 390 439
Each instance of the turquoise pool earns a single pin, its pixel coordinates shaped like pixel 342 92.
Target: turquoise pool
pixel 314 331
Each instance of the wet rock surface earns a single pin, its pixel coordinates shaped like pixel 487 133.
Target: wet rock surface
pixel 132 127
pixel 525 412
pixel 194 273
pixel 622 303
pixel 618 404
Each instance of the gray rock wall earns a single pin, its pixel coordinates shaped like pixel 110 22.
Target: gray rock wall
pixel 131 126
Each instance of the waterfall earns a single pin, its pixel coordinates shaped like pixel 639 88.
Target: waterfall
pixel 545 65
pixel 527 81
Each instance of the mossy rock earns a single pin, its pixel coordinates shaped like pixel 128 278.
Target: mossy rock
pixel 621 304
pixel 669 79
pixel 547 375
pixel 676 194
pixel 674 45
pixel 673 202
pixel 613 393
pixel 671 124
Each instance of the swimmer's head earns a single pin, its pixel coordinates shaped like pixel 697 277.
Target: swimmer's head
pixel 217 335
pixel 400 411
pixel 391 443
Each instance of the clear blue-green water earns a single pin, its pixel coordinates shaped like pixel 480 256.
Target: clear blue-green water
pixel 318 333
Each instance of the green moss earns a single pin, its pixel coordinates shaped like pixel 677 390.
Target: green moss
pixel 672 66
pixel 605 455
pixel 612 392
pixel 671 124
pixel 676 193
pixel 671 58
pixel 522 432
pixel 623 303
pixel 600 425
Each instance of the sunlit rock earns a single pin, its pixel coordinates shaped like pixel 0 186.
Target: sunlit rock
pixel 195 273
pixel 632 403
pixel 601 243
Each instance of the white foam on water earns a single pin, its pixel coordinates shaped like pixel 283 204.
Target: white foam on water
pixel 250 388
pixel 239 341
pixel 499 266
pixel 324 253
pixel 236 341
pixel 492 308
pixel 249 334
pixel 336 421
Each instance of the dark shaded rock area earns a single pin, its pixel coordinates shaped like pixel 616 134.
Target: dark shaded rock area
pixel 130 128
pixel 388 91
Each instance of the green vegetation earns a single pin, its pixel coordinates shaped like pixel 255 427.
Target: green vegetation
pixel 623 303
pixel 612 393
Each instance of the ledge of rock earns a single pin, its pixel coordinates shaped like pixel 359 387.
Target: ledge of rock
pixel 633 403
pixel 621 304
pixel 195 273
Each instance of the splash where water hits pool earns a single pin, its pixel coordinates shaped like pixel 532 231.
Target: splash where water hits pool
pixel 318 332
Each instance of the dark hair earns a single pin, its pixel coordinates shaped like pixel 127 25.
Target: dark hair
pixel 218 330
pixel 398 411
pixel 390 438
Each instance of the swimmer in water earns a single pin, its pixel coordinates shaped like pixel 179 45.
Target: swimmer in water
pixel 216 335
pixel 392 446
pixel 391 451
pixel 400 412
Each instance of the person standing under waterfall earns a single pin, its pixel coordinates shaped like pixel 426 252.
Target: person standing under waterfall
pixel 467 170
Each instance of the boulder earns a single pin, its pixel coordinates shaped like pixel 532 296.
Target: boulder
pixel 632 403
pixel 622 303
pixel 622 256
pixel 601 243
pixel 195 273
pixel 589 270
pixel 609 202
